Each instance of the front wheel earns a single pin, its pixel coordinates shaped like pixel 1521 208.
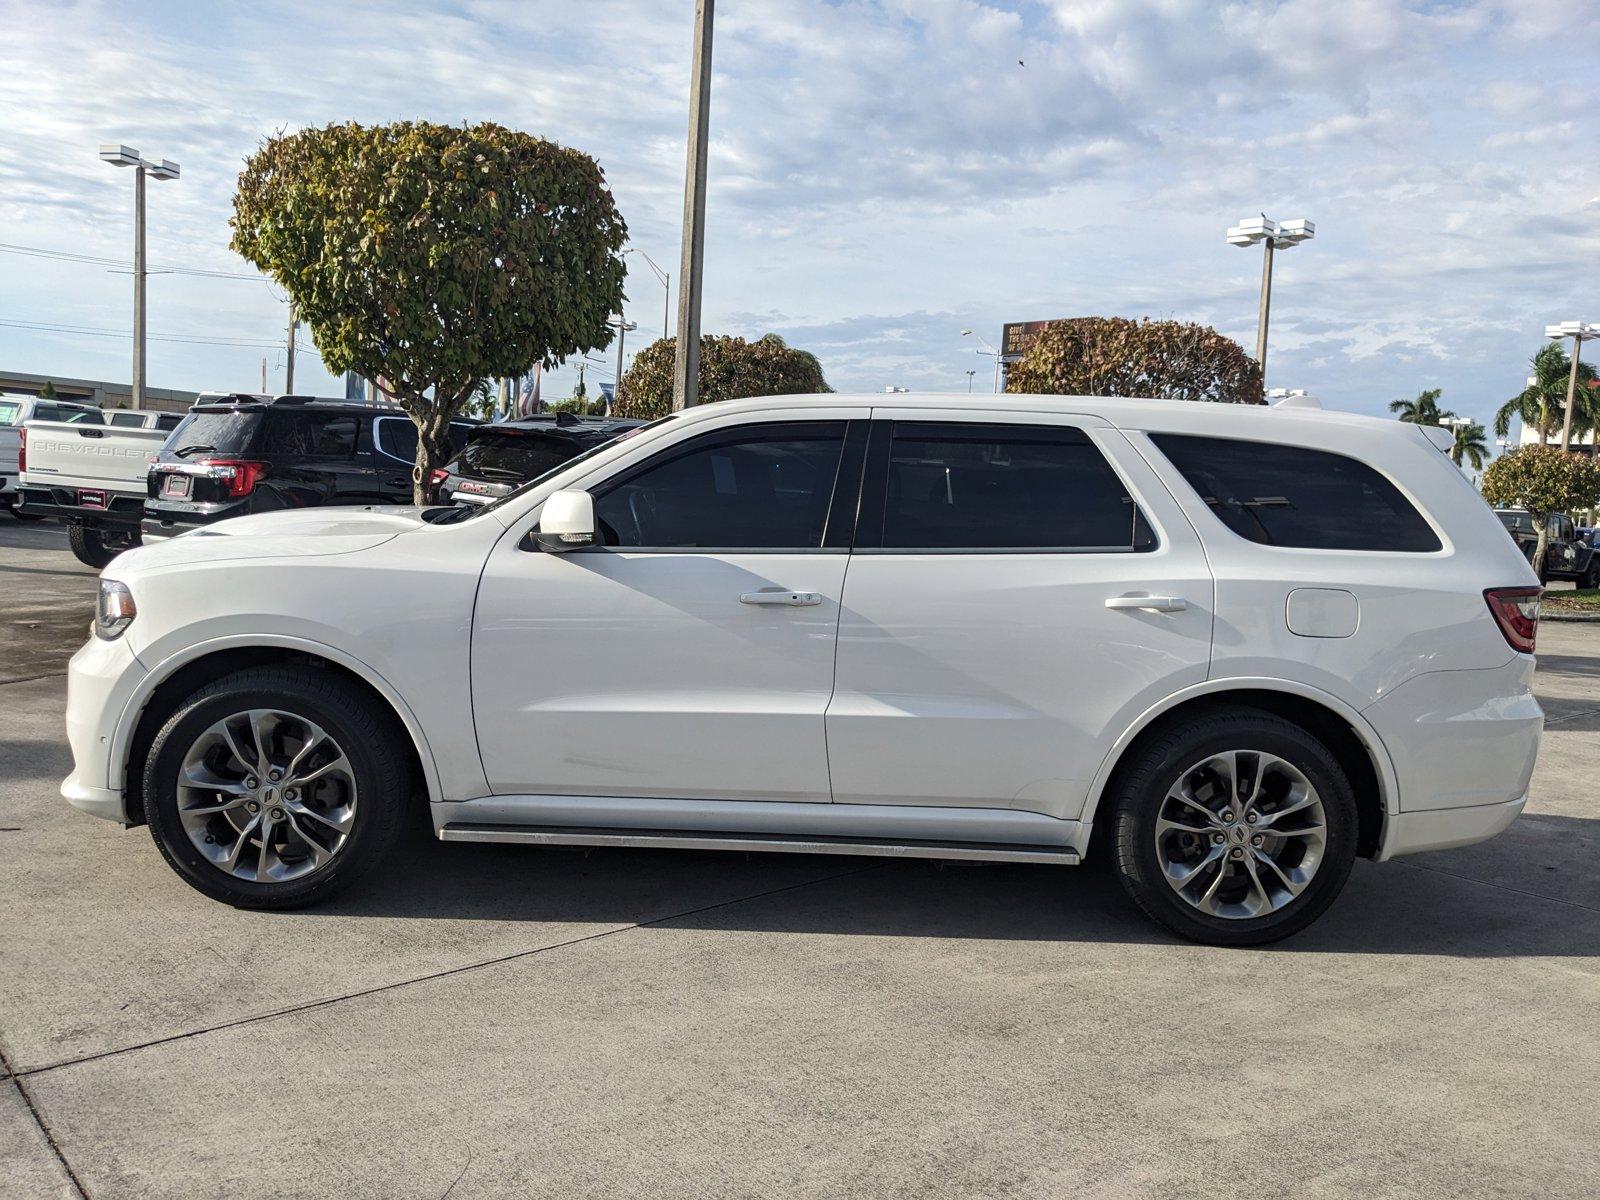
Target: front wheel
pixel 1235 829
pixel 275 787
pixel 1591 575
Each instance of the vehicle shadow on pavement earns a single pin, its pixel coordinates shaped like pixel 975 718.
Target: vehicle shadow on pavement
pixel 1529 894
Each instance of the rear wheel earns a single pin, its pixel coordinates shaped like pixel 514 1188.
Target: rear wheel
pixel 1236 829
pixel 275 787
pixel 89 546
pixel 1591 575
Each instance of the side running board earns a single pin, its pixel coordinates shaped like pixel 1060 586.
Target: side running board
pixel 658 839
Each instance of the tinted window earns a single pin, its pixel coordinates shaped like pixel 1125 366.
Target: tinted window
pixel 1292 496
pixel 126 420
pixel 397 437
pixel 215 432
pixel 325 436
pixel 760 487
pixel 77 416
pixel 1517 522
pixel 962 486
pixel 517 456
pixel 168 421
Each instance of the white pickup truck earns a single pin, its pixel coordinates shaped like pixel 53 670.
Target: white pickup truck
pixel 14 411
pixel 92 476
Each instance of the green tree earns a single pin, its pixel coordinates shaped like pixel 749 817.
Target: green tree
pixel 48 391
pixel 730 369
pixel 1542 404
pixel 433 257
pixel 1469 445
pixel 1543 480
pixel 1115 356
pixel 1424 410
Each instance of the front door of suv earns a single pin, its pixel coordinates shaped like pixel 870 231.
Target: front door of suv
pixel 691 656
pixel 980 664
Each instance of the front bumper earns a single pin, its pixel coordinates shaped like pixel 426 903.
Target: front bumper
pixel 101 681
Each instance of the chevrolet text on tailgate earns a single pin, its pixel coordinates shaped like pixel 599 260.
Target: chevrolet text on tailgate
pixel 1229 648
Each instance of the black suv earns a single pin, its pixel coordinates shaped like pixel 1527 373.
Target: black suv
pixel 240 454
pixel 501 457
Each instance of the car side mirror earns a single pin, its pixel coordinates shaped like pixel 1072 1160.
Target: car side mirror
pixel 566 522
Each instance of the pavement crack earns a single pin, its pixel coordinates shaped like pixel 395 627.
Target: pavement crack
pixel 15 1079
pixel 312 1005
pixel 1499 886
pixel 31 678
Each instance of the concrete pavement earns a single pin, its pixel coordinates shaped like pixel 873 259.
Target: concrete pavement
pixel 488 1021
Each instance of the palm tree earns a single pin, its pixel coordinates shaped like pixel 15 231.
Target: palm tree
pixel 1424 410
pixel 1542 403
pixel 1470 445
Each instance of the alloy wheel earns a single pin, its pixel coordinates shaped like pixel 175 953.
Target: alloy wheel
pixel 267 795
pixel 1240 834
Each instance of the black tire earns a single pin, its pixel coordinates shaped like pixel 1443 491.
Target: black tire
pixel 1157 765
pixel 88 547
pixel 16 511
pixel 1591 575
pixel 368 738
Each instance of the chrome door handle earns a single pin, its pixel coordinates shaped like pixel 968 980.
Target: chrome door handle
pixel 1149 603
pixel 779 596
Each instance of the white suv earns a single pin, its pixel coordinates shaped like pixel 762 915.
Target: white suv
pixel 1231 647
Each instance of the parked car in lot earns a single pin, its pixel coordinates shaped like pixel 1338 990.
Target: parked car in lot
pixel 501 457
pixel 15 412
pixel 1230 648
pixel 90 473
pixel 239 454
pixel 1567 555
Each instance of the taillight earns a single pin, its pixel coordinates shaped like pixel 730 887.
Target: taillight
pixel 22 449
pixel 1516 611
pixel 435 477
pixel 241 475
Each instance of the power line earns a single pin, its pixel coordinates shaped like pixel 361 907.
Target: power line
pixel 98 261
pixel 196 339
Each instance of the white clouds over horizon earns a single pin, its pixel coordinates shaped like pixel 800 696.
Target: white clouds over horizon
pixel 882 175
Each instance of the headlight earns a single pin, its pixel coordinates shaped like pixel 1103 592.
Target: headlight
pixel 114 611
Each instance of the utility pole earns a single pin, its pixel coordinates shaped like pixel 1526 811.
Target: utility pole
pixel 623 325
pixel 686 361
pixel 288 371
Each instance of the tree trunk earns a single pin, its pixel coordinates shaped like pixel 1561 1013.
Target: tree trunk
pixel 1541 546
pixel 433 450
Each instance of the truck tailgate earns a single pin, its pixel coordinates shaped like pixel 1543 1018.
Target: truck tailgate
pixel 65 454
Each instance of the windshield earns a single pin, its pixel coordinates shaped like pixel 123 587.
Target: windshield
pixel 453 516
pixel 10 410
pixel 214 433
pixel 1517 522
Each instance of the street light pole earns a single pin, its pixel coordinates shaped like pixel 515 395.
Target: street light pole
pixel 1273 236
pixel 623 326
pixel 288 370
pixel 970 374
pixel 990 350
pixel 1578 331
pixel 126 156
pixel 686 360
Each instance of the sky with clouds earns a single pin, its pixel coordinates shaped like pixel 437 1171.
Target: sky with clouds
pixel 882 175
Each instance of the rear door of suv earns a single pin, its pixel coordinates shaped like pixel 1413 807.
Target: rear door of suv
pixel 1022 586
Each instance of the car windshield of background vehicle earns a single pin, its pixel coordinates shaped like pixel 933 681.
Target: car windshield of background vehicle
pixel 454 516
pixel 1291 496
pixel 756 487
pixel 968 486
pixel 221 433
pixel 1516 522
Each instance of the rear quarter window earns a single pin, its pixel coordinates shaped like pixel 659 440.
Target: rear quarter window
pixel 1297 497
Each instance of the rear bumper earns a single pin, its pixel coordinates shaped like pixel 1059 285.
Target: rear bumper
pixel 1445 828
pixel 121 512
pixel 162 522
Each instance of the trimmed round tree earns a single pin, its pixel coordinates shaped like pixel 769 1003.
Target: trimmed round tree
pixel 730 369
pixel 1544 480
pixel 1116 356
pixel 430 258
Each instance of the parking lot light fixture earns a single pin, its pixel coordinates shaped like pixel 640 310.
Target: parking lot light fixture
pixel 1579 332
pixel 990 351
pixel 1273 236
pixel 163 169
